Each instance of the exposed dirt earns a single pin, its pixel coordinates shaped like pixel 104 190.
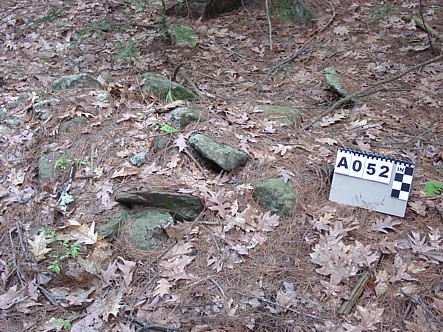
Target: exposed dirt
pixel 227 284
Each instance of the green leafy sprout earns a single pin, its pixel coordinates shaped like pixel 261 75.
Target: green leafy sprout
pixel 128 51
pixel 66 250
pixel 60 322
pixel 433 188
pixel 169 129
pixel 62 163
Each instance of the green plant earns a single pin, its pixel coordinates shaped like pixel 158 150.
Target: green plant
pixel 169 129
pixel 183 35
pixel 128 51
pixel 64 250
pixel 281 10
pixel 433 188
pixel 53 14
pixel 102 25
pixel 170 97
pixel 60 322
pixel 62 163
pixel 381 10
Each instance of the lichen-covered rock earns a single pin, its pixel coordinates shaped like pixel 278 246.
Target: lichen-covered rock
pixel 283 114
pixel 225 156
pixel 160 87
pixel 183 116
pixel 147 228
pixel 79 81
pixel 182 206
pixel 275 195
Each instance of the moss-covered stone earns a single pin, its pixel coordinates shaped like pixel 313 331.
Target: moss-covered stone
pixel 160 87
pixel 275 195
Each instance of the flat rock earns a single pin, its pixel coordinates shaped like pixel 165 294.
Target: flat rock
pixel 183 116
pixel 147 229
pixel 79 81
pixel 283 114
pixel 276 196
pixel 160 86
pixel 225 156
pixel 182 206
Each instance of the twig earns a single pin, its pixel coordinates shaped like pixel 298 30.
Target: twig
pixel 300 51
pixel 365 90
pixel 426 27
pixel 330 20
pixel 220 289
pixel 421 304
pixel 269 25
pixel 346 307
pixel 48 296
pixel 282 306
pixel 422 25
pixel 196 163
pixel 14 259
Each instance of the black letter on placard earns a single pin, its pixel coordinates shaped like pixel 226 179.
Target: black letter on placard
pixel 355 163
pixel 343 162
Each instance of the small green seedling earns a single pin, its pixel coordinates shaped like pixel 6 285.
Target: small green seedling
pixel 128 51
pixel 60 322
pixel 433 188
pixel 66 250
pixel 168 129
pixel 170 97
pixel 62 163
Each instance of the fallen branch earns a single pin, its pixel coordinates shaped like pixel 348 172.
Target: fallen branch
pixel 417 301
pixel 366 90
pixel 422 25
pixel 357 291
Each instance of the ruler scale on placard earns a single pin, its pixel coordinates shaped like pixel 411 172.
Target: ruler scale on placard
pixel 372 181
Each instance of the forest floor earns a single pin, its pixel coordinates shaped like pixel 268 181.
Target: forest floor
pixel 223 272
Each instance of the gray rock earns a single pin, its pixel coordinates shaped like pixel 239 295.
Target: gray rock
pixel 73 125
pixel 138 159
pixel 296 11
pixel 46 170
pixel 160 86
pixel 45 102
pixel 333 81
pixel 40 109
pixel 110 230
pixel 283 114
pixel 162 142
pixel 79 81
pixel 225 156
pixel 181 205
pixel 203 8
pixel 147 228
pixel 276 196
pixel 183 116
pixel 2 114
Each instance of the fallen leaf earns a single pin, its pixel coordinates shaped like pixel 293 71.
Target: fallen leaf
pixel 81 233
pixel 128 171
pixel 127 268
pixel 39 246
pixel 12 297
pixel 163 288
pixel 384 225
pixel 180 142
